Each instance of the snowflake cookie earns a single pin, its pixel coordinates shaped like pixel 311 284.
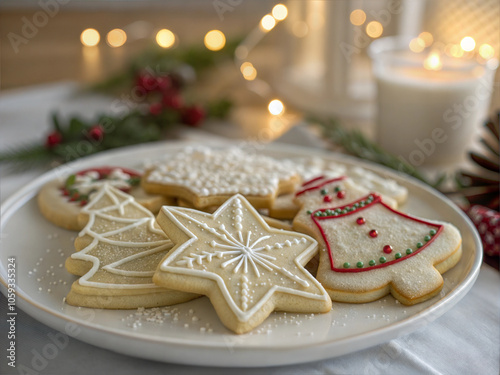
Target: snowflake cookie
pixel 208 177
pixel 61 201
pixel 369 249
pixel 117 254
pixel 245 267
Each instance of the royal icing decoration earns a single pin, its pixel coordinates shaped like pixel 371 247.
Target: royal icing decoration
pixel 328 222
pixel 206 171
pixel 79 186
pixel 248 260
pixel 370 249
pixel 122 232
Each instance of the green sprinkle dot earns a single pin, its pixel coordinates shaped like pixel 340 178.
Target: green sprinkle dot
pixel 432 232
pixel 344 211
pixel 324 191
pixel 309 212
pixel 347 265
pixel 359 264
pixel 356 205
pixel 338 210
pixel 382 260
pixel 427 238
pixel 372 262
pixel 337 189
pixel 409 251
pixel 419 244
pixel 317 213
pixel 362 204
pixel 397 255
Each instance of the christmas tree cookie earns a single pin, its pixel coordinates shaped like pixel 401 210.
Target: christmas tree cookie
pixel 245 267
pixel 369 249
pixel 117 254
pixel 60 201
pixel 206 177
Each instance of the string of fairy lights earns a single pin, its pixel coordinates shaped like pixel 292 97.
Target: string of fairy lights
pixel 215 40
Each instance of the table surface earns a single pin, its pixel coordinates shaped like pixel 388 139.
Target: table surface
pixel 464 340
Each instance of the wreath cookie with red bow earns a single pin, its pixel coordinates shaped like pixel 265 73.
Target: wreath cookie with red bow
pixel 61 201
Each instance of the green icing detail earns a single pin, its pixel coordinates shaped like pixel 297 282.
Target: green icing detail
pixel 347 265
pixel 409 251
pixel 419 244
pixel 427 238
pixel 382 260
pixel 372 262
pixel 397 255
pixel 359 264
pixel 432 232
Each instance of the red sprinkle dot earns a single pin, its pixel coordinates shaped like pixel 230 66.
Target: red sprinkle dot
pixel 387 249
pixel 327 199
pixel 373 233
pixel 360 220
pixel 341 194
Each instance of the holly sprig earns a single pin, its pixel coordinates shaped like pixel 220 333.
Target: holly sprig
pixel 158 83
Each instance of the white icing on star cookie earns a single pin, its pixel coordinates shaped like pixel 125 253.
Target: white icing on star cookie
pixel 246 268
pixel 205 176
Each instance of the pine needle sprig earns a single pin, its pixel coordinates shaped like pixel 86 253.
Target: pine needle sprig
pixel 23 157
pixel 357 144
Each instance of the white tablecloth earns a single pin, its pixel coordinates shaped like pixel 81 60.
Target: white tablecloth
pixel 465 340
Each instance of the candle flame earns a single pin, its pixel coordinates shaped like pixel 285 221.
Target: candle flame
pixel 433 61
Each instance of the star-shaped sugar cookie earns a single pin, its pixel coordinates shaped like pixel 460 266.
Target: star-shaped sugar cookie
pixel 246 268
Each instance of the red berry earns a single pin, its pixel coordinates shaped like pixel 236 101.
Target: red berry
pixel 96 132
pixel 65 192
pixel 171 99
pixel 193 115
pixel 163 83
pixel 341 194
pixel 83 202
pixel 155 109
pixel 327 199
pixel 147 82
pixel 360 220
pixel 53 139
pixel 373 233
pixel 387 249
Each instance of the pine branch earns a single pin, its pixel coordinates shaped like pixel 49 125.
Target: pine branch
pixel 26 157
pixel 355 143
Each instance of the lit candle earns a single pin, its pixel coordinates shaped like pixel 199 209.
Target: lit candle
pixel 429 105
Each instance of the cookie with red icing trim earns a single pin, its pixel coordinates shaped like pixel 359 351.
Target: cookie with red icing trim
pixel 369 249
pixel 61 201
pixel 285 208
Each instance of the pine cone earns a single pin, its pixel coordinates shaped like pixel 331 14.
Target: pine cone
pixel 483 188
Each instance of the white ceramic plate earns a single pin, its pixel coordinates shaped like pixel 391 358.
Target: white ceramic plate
pixel 191 333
